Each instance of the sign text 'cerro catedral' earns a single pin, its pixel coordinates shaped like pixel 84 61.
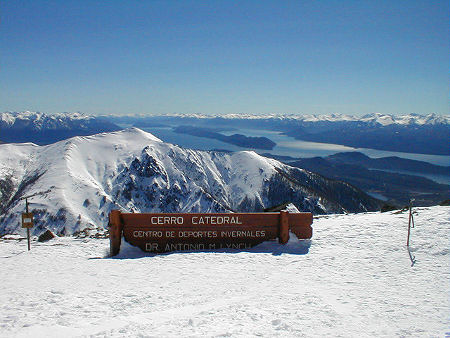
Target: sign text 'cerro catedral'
pixel 196 232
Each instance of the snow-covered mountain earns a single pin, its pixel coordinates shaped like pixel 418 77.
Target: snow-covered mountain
pixel 42 128
pixel 134 171
pixel 39 121
pixel 65 120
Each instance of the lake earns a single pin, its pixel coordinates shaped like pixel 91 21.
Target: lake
pixel 286 146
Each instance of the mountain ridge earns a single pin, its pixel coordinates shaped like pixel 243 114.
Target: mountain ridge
pixel 374 118
pixel 134 171
pixel 43 128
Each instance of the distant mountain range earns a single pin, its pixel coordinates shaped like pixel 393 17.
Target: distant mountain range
pixel 373 119
pixel 412 133
pixel 41 128
pixel 134 171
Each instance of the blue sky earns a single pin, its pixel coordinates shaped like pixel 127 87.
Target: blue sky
pixel 225 56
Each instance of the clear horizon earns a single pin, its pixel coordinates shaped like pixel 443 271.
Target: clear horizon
pixel 219 57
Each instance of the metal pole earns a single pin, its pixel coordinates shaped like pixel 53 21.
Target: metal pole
pixel 410 221
pixel 409 226
pixel 28 229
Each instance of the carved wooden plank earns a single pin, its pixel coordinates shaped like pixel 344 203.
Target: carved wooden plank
pixel 164 232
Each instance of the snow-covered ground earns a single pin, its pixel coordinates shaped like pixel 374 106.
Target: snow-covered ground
pixel 356 280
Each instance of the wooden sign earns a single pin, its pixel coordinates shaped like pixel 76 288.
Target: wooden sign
pixel 27 220
pixel 198 232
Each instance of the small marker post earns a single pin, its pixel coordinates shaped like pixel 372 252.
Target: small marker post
pixel 28 229
pixel 27 222
pixel 27 217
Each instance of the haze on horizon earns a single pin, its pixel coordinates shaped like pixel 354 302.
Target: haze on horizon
pixel 349 57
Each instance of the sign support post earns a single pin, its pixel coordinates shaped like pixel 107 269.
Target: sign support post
pixel 27 217
pixel 115 232
pixel 27 222
pixel 283 237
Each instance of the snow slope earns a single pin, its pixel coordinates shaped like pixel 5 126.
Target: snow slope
pixel 355 280
pixel 74 169
pixel 134 171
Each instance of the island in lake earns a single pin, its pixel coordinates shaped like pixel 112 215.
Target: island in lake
pixel 236 139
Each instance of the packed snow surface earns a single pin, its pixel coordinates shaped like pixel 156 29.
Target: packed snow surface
pixel 353 279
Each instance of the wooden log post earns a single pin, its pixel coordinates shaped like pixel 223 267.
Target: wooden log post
pixel 115 232
pixel 283 236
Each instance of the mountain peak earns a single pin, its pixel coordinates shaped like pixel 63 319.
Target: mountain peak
pixel 136 132
pixel 134 171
